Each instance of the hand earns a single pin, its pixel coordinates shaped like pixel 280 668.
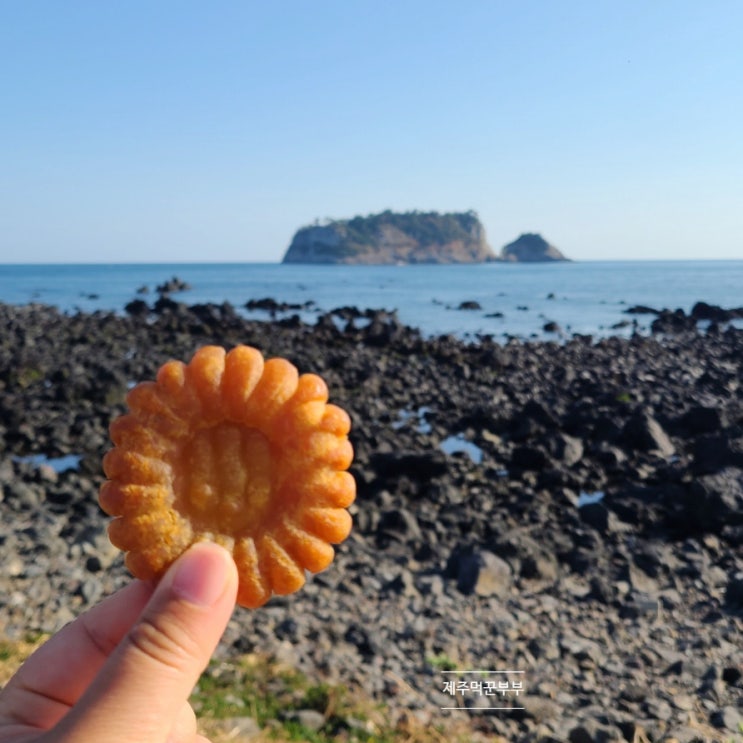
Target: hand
pixel 123 671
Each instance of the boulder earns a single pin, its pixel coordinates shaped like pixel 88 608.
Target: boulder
pixel 480 572
pixel 714 452
pixel 702 419
pixel 704 311
pixel 716 500
pixel 566 449
pixel 670 322
pixel 643 433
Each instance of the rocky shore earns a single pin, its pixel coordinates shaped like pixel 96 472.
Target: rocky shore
pixel 573 512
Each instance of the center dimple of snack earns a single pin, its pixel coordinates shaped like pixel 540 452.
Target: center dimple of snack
pixel 227 479
pixel 236 450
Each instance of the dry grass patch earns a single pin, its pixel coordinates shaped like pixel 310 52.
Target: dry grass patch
pixel 14 652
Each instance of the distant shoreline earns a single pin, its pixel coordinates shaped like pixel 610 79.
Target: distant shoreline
pixel 583 297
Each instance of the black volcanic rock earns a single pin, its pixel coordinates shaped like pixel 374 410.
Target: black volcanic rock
pixel 173 285
pixel 704 311
pixel 611 576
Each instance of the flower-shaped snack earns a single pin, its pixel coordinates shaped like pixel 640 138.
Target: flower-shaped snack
pixel 238 451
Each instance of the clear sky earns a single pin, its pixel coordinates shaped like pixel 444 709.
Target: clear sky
pixel 156 130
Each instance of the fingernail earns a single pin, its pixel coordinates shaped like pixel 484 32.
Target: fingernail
pixel 201 574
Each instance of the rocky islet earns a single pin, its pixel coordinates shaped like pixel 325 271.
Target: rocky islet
pixel 411 237
pixel 590 534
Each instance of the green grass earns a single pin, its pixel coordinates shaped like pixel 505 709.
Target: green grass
pixel 441 663
pixel 14 652
pixel 270 694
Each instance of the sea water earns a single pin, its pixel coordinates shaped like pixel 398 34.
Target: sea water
pixel 514 299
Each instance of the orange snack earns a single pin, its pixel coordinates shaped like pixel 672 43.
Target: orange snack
pixel 237 451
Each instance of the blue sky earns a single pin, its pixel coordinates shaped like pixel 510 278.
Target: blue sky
pixel 194 131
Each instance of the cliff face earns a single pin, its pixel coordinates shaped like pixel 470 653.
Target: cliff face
pixel 393 238
pixel 531 248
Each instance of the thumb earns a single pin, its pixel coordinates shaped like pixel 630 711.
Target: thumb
pixel 141 689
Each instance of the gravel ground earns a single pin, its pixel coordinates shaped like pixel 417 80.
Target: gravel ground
pixel 571 512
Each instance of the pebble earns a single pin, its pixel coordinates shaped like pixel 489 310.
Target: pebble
pixel 728 717
pixel 683 701
pixel 308 718
pixel 240 728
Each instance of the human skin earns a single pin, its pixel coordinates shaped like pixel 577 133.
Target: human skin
pixel 124 670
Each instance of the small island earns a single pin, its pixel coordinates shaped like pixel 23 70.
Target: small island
pixel 393 238
pixel 531 248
